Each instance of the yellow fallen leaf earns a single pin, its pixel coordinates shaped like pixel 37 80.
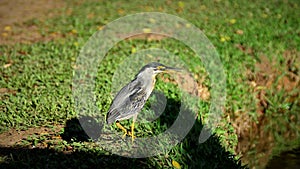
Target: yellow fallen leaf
pixel 4 34
pixel 7 28
pixel 176 164
pixel 74 31
pixel 180 4
pixel 222 39
pixel 188 25
pixel 133 50
pixel 232 21
pixel 146 30
pixel 100 27
pixel 152 20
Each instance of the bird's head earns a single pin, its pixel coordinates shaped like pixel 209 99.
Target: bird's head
pixel 154 68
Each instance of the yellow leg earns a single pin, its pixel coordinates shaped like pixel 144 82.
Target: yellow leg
pixel 122 128
pixel 132 131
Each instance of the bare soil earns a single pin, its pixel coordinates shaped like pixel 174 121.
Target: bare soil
pixel 13 136
pixel 15 13
pixel 268 76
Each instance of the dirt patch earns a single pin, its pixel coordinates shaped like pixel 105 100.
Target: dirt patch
pixel 269 76
pixel 13 136
pixel 14 13
pixel 267 73
pixel 193 86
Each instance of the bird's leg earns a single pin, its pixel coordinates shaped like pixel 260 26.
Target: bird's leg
pixel 132 131
pixel 122 128
pixel 132 128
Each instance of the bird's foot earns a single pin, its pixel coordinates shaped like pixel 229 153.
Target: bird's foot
pixel 129 134
pixel 126 132
pixel 132 136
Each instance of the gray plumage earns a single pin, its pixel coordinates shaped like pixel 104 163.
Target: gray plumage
pixel 131 98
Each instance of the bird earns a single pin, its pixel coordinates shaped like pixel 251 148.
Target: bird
pixel 130 100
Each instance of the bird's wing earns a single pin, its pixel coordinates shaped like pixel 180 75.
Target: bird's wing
pixel 127 102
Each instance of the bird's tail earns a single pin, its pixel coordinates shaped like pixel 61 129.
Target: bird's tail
pixel 111 116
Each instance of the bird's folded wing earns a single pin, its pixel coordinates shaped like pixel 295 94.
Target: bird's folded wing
pixel 127 102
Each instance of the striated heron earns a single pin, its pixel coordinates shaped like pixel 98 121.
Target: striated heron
pixel 132 97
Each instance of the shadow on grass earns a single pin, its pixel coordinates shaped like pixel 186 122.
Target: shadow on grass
pixel 74 130
pixel 209 154
pixel 48 158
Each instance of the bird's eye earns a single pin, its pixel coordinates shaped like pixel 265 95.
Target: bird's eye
pixel 160 67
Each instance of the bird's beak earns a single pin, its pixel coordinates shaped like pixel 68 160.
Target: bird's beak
pixel 172 69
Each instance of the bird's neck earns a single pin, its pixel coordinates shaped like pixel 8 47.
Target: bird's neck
pixel 148 81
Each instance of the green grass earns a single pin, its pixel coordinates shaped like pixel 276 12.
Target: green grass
pixel 41 78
